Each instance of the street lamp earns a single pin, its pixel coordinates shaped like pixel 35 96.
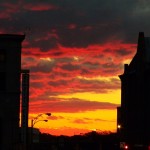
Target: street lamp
pixel 35 120
pixel 119 126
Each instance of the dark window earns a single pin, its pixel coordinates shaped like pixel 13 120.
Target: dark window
pixel 2 55
pixel 2 81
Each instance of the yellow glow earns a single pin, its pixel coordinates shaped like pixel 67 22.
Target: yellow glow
pixel 46 59
pixel 100 78
pixel 100 120
pixel 76 58
pixel 112 96
pixel 127 61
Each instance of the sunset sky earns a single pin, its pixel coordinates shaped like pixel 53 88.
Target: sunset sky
pixel 75 50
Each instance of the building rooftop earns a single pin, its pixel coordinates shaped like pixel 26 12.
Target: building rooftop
pixel 12 37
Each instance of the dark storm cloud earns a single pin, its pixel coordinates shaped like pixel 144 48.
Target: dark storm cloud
pixel 94 21
pixel 111 66
pixel 119 52
pixel 70 67
pixel 10 1
pixel 83 85
pixel 91 65
pixel 58 83
pixel 37 84
pixel 45 45
pixel 123 52
pixel 42 66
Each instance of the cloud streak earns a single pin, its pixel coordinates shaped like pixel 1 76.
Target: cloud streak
pixel 71 106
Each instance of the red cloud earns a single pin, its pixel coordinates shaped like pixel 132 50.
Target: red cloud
pixel 4 15
pixel 40 7
pixel 9 9
pixel 13 8
pixel 80 121
pixel 72 26
pixel 71 106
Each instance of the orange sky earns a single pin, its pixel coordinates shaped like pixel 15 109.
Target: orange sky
pixel 81 89
pixel 75 51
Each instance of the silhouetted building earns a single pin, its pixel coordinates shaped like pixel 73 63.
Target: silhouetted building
pixel 133 114
pixel 10 71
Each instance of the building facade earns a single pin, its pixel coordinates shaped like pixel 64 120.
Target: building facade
pixel 10 71
pixel 133 115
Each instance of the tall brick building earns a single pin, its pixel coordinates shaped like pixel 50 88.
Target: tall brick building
pixel 134 113
pixel 10 71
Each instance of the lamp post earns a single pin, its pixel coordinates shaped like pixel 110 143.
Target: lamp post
pixel 35 120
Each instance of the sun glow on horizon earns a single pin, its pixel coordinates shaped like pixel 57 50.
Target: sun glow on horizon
pixel 83 122
pixel 111 96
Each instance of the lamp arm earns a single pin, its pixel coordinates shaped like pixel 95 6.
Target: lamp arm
pixel 36 118
pixel 37 121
